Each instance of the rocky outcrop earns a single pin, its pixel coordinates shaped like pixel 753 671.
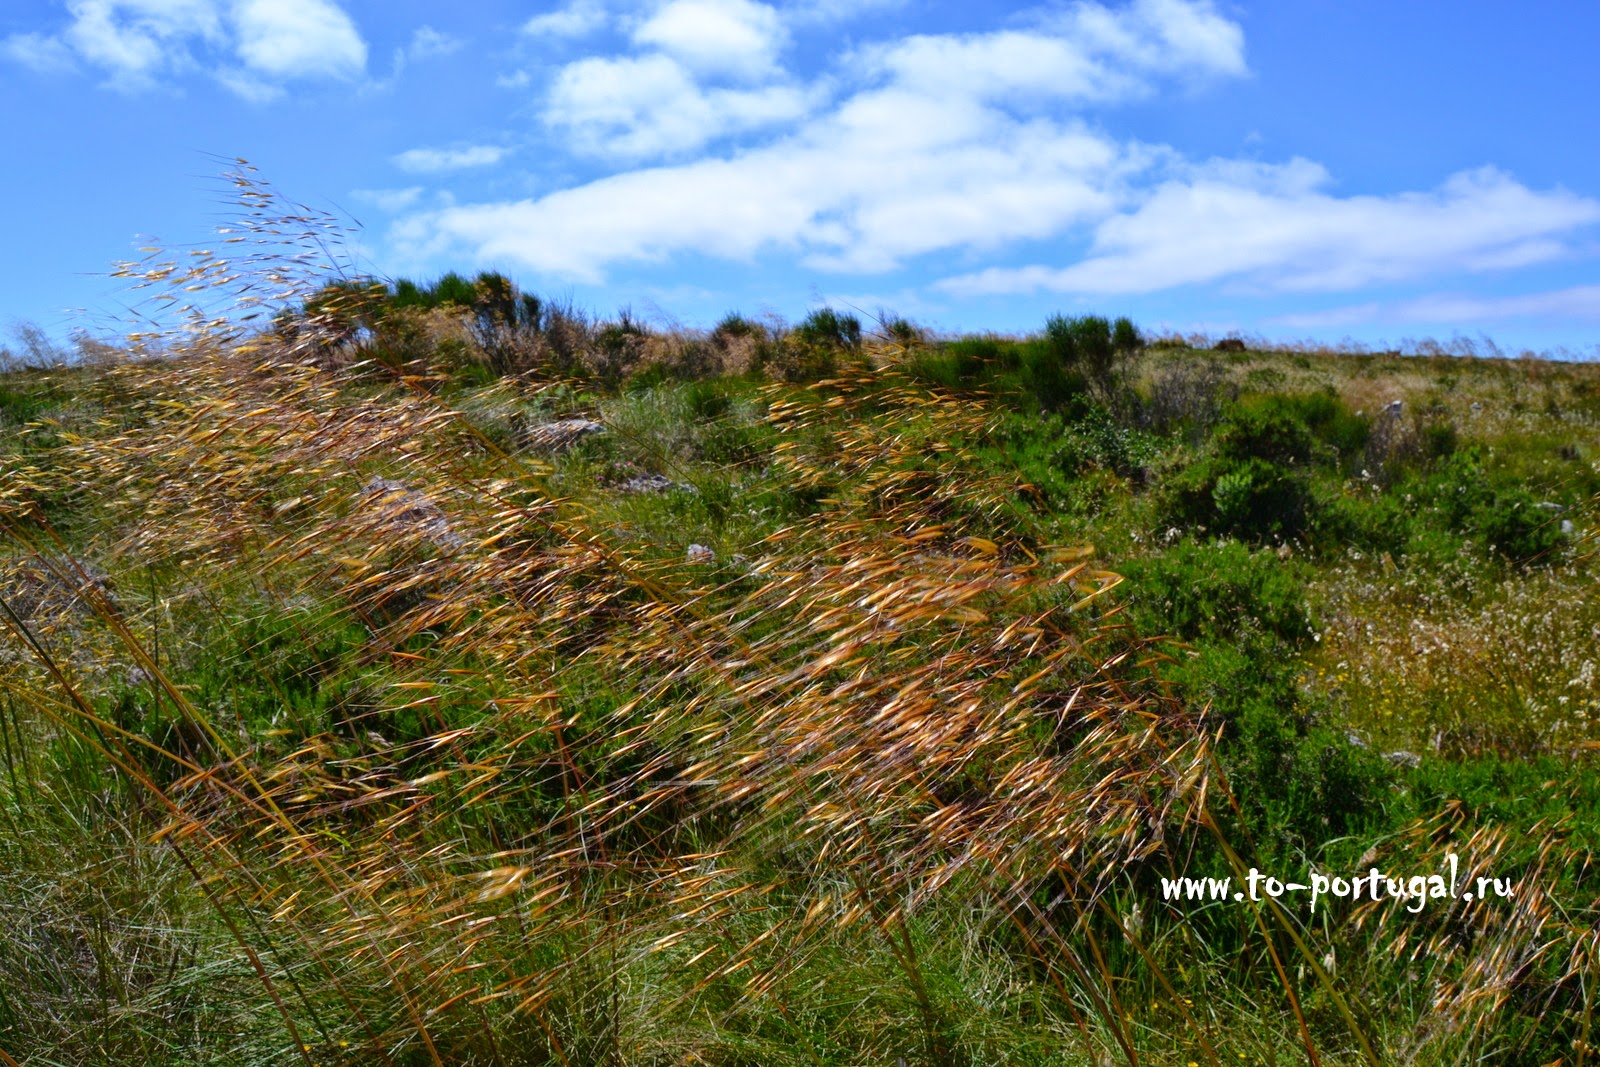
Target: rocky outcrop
pixel 554 438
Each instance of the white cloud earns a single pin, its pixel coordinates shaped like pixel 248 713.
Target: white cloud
pixel 1093 54
pixel 47 55
pixel 944 146
pixel 298 38
pixel 1578 302
pixel 992 66
pixel 649 106
pixel 1272 226
pixel 578 19
pixel 134 39
pixel 961 144
pixel 733 37
pixel 1177 35
pixel 137 41
pixel 825 12
pixel 249 86
pixel 666 102
pixel 1582 301
pixel 436 160
pixel 859 192
pixel 427 42
pixel 390 200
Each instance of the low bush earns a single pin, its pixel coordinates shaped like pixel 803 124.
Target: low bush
pixel 1244 618
pixel 1252 499
pixel 828 328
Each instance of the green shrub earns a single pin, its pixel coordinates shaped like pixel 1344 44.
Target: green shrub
pixel 1125 336
pixel 901 331
pixel 1267 432
pixel 828 328
pixel 1222 592
pixel 735 325
pixel 1244 617
pixel 1253 499
pixel 453 289
pixel 1046 382
pixel 1463 495
pixel 1254 481
pixel 18 407
pixel 1084 345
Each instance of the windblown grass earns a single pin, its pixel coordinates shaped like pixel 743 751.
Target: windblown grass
pixel 340 730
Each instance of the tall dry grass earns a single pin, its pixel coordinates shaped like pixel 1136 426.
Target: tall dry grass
pixel 576 763
pixel 892 788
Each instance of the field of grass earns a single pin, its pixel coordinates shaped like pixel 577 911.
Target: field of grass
pixel 428 674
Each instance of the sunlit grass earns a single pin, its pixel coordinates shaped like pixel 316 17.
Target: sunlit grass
pixel 340 727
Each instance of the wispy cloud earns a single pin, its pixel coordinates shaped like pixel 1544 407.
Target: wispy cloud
pixel 1582 301
pixel 1274 227
pixel 867 187
pixel 577 19
pixel 1576 302
pixel 390 200
pixel 1329 318
pixel 437 160
pixel 251 46
pixel 427 42
pixel 47 55
pixel 1091 54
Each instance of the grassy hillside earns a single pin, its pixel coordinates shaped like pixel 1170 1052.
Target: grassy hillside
pixel 443 676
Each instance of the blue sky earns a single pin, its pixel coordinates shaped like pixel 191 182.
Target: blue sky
pixel 1318 169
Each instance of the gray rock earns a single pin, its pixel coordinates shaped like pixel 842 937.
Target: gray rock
pixel 1394 408
pixel 1550 505
pixel 1403 759
pixel 701 554
pixel 36 591
pixel 653 483
pixel 553 438
pixel 399 508
pixel 1567 529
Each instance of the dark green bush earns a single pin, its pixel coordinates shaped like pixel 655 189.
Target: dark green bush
pixel 964 363
pixel 1464 495
pixel 1244 617
pixel 901 331
pixel 1083 345
pixel 1253 499
pixel 1254 482
pixel 734 325
pixel 1061 458
pixel 1222 591
pixel 828 328
pixel 1295 428
pixel 1125 336
pixel 1264 431
pixel 1047 383
pixel 452 289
